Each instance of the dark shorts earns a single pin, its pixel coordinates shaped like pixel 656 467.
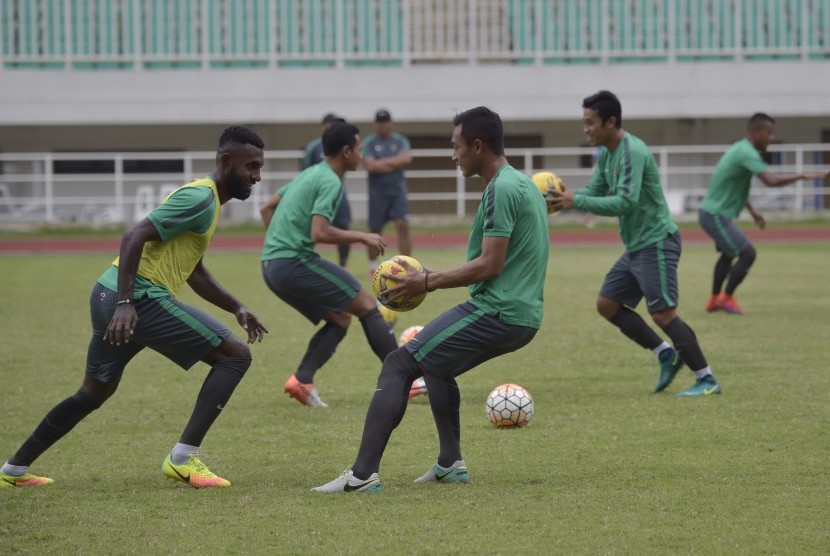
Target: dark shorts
pixel 313 286
pixel 181 333
pixel 650 272
pixel 462 338
pixel 343 218
pixel 383 209
pixel 729 239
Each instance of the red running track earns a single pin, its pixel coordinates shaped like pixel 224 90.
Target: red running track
pixel 27 245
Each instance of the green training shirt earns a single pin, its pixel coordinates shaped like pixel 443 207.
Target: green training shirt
pixel 317 190
pixel 626 184
pixel 511 207
pixel 729 189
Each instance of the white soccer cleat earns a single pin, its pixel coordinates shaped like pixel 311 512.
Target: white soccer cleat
pixel 347 482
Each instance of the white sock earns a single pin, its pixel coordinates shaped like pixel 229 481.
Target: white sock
pixel 180 453
pixel 703 373
pixel 14 470
pixel 661 348
pixel 373 265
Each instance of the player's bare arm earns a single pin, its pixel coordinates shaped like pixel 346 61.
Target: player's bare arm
pixel 124 320
pixel 208 288
pixel 759 219
pixel 484 267
pixel 322 231
pixel 774 180
pixel 268 208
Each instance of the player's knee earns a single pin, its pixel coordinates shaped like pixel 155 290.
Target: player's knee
pixel 607 308
pixel 748 255
pixel 233 347
pixel 92 400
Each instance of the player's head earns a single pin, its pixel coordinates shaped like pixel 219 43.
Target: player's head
pixel 477 136
pixel 760 129
pixel 383 122
pixel 239 159
pixel 342 139
pixel 601 117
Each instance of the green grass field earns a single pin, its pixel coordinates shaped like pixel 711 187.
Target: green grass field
pixel 605 466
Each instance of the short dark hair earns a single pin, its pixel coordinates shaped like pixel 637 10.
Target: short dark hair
pixel 339 135
pixel 606 104
pixel 757 120
pixel 481 123
pixel 329 118
pixel 239 135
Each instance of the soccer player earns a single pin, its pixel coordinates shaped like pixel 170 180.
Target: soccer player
pixel 385 155
pixel 314 155
pixel 507 257
pixel 133 306
pixel 626 184
pixel 299 215
pixel 728 194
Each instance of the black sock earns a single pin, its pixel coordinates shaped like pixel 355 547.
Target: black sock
pixel 386 410
pixel 740 269
pixel 320 349
pixel 59 421
pixel 445 401
pixel 215 393
pixel 343 253
pixel 722 268
pixel 632 325
pixel 685 341
pixel 381 338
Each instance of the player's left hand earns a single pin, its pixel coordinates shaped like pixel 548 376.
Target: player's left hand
pixel 560 201
pixel 759 220
pixel 251 323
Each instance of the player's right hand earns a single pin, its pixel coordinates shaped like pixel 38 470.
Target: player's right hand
pixel 374 241
pixel 122 325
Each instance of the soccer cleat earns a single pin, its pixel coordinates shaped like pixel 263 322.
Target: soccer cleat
pixel 194 472
pixel 24 480
pixel 712 304
pixel 705 386
pixel 306 394
pixel 438 474
pixel 729 304
pixel 347 482
pixel 670 363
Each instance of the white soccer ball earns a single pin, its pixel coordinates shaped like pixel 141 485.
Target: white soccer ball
pixel 509 406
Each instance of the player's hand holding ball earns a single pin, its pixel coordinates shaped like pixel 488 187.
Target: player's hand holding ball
pixel 400 283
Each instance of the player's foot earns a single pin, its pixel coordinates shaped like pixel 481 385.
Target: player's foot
pixel 419 386
pixel 438 474
pixel 347 482
pixel 194 472
pixel 705 386
pixel 712 304
pixel 306 394
pixel 24 480
pixel 729 304
pixel 670 363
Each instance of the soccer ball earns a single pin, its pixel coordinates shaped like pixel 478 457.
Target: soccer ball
pixel 509 406
pixel 409 333
pixel 419 387
pixel 544 182
pixel 381 284
pixel 390 316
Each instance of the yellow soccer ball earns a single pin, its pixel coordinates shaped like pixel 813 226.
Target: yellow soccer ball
pixel 390 316
pixel 544 182
pixel 381 284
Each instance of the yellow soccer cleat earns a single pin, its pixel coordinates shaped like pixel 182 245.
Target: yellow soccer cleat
pixel 25 480
pixel 194 472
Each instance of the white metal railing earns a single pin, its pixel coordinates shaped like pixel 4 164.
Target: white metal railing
pixel 32 191
pixel 217 34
